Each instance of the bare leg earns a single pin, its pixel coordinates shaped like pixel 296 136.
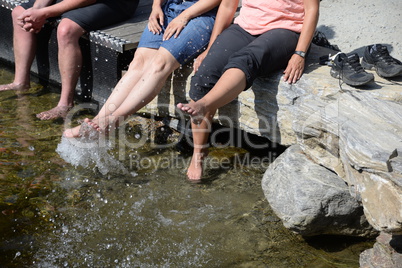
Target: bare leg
pixel 125 101
pixel 70 63
pixel 201 133
pixel 24 53
pixel 143 60
pixel 150 84
pixel 228 87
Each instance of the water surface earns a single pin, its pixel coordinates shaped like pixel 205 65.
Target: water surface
pixel 55 214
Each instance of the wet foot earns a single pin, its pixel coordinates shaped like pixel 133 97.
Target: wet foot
pixel 85 132
pixel 13 86
pixel 54 113
pixel 195 169
pixel 100 125
pixel 195 109
pixel 77 131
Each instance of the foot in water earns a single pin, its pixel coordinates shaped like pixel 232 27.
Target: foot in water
pixel 54 113
pixel 77 131
pixel 195 169
pixel 13 86
pixel 195 109
pixel 86 128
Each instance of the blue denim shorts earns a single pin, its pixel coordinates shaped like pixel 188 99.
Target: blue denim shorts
pixel 191 40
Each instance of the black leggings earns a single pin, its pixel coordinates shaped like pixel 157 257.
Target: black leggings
pixel 255 55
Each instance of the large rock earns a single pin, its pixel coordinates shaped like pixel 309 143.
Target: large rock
pixel 386 253
pixel 357 135
pixel 311 199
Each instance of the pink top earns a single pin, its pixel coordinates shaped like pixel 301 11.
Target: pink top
pixel 259 16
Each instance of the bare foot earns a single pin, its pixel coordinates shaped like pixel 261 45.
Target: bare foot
pixel 75 132
pixel 13 86
pixel 195 109
pixel 54 113
pixel 195 169
pixel 102 125
pixel 85 132
pixel 72 132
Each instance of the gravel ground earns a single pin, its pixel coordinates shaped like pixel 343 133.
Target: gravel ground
pixel 354 24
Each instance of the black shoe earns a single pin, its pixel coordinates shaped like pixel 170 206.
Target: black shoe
pixel 349 70
pixel 321 40
pixel 377 57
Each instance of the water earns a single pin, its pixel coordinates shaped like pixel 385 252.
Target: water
pixel 60 214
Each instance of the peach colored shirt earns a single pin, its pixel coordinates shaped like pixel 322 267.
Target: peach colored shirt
pixel 259 16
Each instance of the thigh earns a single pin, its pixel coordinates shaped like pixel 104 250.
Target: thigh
pixel 277 47
pixel 269 52
pixel 98 15
pixel 228 42
pixel 192 40
pixel 30 3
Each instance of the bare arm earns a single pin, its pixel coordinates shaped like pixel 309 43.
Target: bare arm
pixel 224 18
pixel 295 67
pixel 34 18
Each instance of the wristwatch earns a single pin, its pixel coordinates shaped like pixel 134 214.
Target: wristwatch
pixel 300 53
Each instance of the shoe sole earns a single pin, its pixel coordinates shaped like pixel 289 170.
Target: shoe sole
pixel 372 67
pixel 336 74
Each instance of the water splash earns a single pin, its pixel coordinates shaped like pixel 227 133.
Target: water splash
pixel 91 150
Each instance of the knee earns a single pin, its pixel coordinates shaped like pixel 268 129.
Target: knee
pixel 200 85
pixel 138 62
pixel 159 64
pixel 17 11
pixel 68 32
pixel 205 78
pixel 154 63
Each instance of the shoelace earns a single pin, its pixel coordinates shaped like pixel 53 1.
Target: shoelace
pixel 384 56
pixel 355 64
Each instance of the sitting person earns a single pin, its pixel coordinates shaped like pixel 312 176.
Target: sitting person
pixel 266 36
pixel 163 47
pixel 77 18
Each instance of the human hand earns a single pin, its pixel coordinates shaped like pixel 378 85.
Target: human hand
pixel 32 20
pixel 175 27
pixel 155 22
pixel 294 70
pixel 198 60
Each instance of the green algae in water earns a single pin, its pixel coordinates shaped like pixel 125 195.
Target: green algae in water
pixel 54 214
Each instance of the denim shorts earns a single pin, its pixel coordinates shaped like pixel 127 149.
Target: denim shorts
pixel 98 15
pixel 191 40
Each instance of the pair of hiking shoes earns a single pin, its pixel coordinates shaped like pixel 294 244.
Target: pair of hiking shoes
pixel 376 57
